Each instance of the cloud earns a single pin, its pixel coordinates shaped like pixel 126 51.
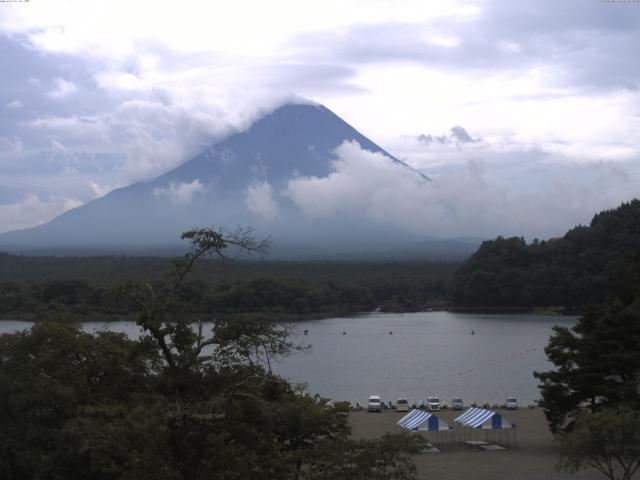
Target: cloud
pixel 180 193
pixel 63 88
pixel 14 104
pixel 310 79
pixel 99 190
pixel 456 135
pixel 583 44
pixel 361 181
pixel 429 139
pixel 157 136
pixel 477 198
pixel 259 200
pixel 461 135
pixel 33 210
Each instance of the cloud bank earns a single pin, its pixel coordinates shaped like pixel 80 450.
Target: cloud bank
pixel 471 199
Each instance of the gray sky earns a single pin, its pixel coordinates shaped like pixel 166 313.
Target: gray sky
pixel 525 113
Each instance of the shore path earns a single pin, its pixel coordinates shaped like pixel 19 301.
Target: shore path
pixel 533 458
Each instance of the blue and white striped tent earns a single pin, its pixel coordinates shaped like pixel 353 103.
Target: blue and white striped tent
pixel 482 419
pixel 423 422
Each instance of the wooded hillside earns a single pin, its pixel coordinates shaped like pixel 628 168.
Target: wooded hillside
pixel 588 265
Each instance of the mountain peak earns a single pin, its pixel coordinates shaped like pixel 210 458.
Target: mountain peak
pixel 300 117
pixel 238 181
pixel 294 139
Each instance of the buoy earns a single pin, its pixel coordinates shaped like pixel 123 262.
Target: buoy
pixel 390 333
pixel 344 333
pixel 306 332
pixel 473 332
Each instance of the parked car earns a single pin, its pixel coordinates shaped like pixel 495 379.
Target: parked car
pixel 457 404
pixel 512 403
pixel 374 404
pixel 433 404
pixel 402 405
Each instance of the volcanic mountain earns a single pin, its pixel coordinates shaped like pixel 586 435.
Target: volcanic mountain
pixel 242 180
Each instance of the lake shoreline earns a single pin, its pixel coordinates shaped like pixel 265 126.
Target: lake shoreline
pixel 292 317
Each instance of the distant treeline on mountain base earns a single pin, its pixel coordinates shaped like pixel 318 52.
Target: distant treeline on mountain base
pixel 588 265
pixel 90 287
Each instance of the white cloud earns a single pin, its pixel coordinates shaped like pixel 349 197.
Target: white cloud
pixel 99 190
pixel 114 80
pixel 241 27
pixel 33 210
pixel 180 193
pixel 259 200
pixel 477 199
pixel 157 136
pixel 14 104
pixel 63 89
pixel 362 181
pixel 153 135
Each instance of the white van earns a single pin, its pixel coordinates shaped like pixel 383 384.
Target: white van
pixel 512 403
pixel 402 405
pixel 433 404
pixel 374 404
pixel 457 404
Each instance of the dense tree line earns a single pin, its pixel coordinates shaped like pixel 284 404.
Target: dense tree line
pixel 282 288
pixel 588 265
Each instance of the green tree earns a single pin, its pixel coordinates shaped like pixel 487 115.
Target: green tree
pixel 49 376
pixel 597 364
pixel 177 404
pixel 389 458
pixel 608 441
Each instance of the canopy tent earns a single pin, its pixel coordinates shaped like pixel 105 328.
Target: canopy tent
pixel 423 422
pixel 483 419
pixel 426 422
pixel 480 419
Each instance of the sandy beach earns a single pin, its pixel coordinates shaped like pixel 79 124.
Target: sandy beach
pixel 534 456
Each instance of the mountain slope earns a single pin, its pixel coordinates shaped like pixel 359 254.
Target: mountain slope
pixel 293 139
pixel 211 189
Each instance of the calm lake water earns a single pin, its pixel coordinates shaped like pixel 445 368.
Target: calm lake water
pixel 429 353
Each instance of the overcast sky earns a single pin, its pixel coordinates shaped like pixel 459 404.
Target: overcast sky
pixel 527 111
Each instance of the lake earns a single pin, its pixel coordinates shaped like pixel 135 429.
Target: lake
pixel 428 353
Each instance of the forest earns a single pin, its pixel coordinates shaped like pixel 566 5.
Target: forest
pixel 588 265
pixel 91 287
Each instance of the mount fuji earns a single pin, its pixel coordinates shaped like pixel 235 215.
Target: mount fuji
pixel 243 180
